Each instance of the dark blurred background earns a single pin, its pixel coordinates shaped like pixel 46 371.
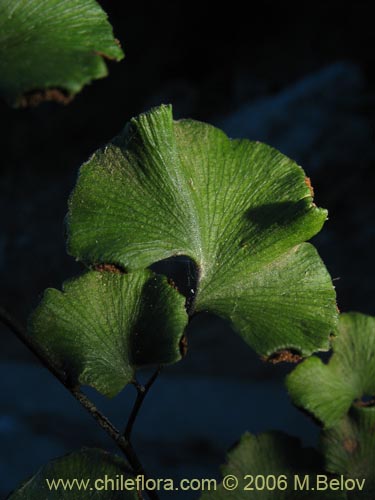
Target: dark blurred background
pixel 299 78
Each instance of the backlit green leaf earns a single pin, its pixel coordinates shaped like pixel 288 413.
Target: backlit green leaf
pixel 50 49
pixel 270 466
pixel 104 325
pixel 83 473
pixel 329 390
pixel 239 209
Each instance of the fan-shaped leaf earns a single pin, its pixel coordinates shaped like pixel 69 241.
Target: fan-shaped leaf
pixel 51 48
pixel 277 459
pixel 239 209
pixel 104 325
pixel 329 390
pixel 82 473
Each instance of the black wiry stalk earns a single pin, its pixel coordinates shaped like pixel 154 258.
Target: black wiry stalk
pixel 121 440
pixel 142 391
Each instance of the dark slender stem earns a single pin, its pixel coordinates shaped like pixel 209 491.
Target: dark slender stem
pixel 29 342
pixel 142 391
pixel 121 441
pixel 110 429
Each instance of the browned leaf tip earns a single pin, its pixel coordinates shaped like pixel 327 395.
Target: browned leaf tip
pixel 365 404
pixel 350 445
pixel 309 185
pixel 35 97
pixel 285 356
pixel 172 284
pixel 183 345
pixel 106 56
pixel 108 268
pixel 103 55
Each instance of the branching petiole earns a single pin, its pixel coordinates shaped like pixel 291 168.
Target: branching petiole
pixel 121 440
pixel 142 391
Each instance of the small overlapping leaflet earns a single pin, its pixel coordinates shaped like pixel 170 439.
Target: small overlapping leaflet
pixel 105 325
pixel 50 49
pixel 329 390
pixel 77 476
pixel 269 466
pixel 239 209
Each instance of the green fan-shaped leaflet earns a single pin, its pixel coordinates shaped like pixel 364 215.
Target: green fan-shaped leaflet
pixel 239 209
pixel 349 449
pixel 104 325
pixel 329 390
pixel 52 44
pixel 88 467
pixel 277 459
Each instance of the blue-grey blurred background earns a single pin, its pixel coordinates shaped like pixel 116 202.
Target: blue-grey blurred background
pixel 299 78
